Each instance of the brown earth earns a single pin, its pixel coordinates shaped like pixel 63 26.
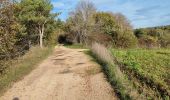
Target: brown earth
pixel 68 74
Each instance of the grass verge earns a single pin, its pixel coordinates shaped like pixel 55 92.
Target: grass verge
pixel 122 86
pixel 22 66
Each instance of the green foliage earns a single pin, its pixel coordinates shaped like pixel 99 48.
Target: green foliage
pixel 36 16
pixel 9 28
pixel 148 41
pixel 53 30
pixel 23 23
pixel 153 37
pixel 117 27
pixel 150 66
pixel 105 22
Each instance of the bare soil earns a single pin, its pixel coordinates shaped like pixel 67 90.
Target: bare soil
pixel 68 74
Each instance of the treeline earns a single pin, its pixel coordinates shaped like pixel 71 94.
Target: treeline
pixel 24 23
pixel 154 36
pixel 86 25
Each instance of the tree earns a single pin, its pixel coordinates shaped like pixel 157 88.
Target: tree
pixel 122 23
pixel 105 22
pixel 117 26
pixel 9 27
pixel 153 37
pixel 53 30
pixel 80 20
pixel 35 15
pixel 85 24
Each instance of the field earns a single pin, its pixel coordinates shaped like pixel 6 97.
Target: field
pixel 149 70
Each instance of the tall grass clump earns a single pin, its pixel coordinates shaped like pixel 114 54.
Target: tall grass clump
pixel 119 82
pixel 18 68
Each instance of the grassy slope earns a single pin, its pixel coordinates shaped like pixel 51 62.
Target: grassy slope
pixel 150 66
pixel 22 66
pixel 122 86
pixel 111 73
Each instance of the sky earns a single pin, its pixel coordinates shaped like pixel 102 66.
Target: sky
pixel 141 13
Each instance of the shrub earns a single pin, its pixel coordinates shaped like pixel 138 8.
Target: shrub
pixel 117 27
pixel 164 39
pixel 148 41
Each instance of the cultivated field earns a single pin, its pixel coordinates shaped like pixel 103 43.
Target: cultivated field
pixel 147 69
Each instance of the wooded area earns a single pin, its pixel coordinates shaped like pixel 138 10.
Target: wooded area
pixel 23 24
pixel 86 25
pixel 154 37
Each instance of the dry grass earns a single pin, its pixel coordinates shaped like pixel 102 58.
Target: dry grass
pixel 22 66
pixel 122 85
pixel 101 52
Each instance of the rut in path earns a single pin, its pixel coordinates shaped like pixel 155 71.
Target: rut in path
pixel 68 74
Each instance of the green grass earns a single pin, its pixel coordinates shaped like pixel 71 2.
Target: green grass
pixel 76 46
pixel 150 67
pixel 22 66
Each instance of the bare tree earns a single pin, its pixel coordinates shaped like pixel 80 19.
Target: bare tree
pixel 81 19
pixel 122 22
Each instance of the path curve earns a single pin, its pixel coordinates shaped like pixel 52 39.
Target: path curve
pixel 68 74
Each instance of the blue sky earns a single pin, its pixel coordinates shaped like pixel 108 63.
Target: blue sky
pixel 141 13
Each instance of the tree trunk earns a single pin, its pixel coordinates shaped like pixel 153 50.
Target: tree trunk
pixel 41 40
pixel 41 33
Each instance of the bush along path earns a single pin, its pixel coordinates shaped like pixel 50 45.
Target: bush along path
pixel 68 74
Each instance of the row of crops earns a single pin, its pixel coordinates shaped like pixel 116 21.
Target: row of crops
pixel 148 70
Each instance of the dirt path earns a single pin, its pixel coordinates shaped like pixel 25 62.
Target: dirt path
pixel 66 75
